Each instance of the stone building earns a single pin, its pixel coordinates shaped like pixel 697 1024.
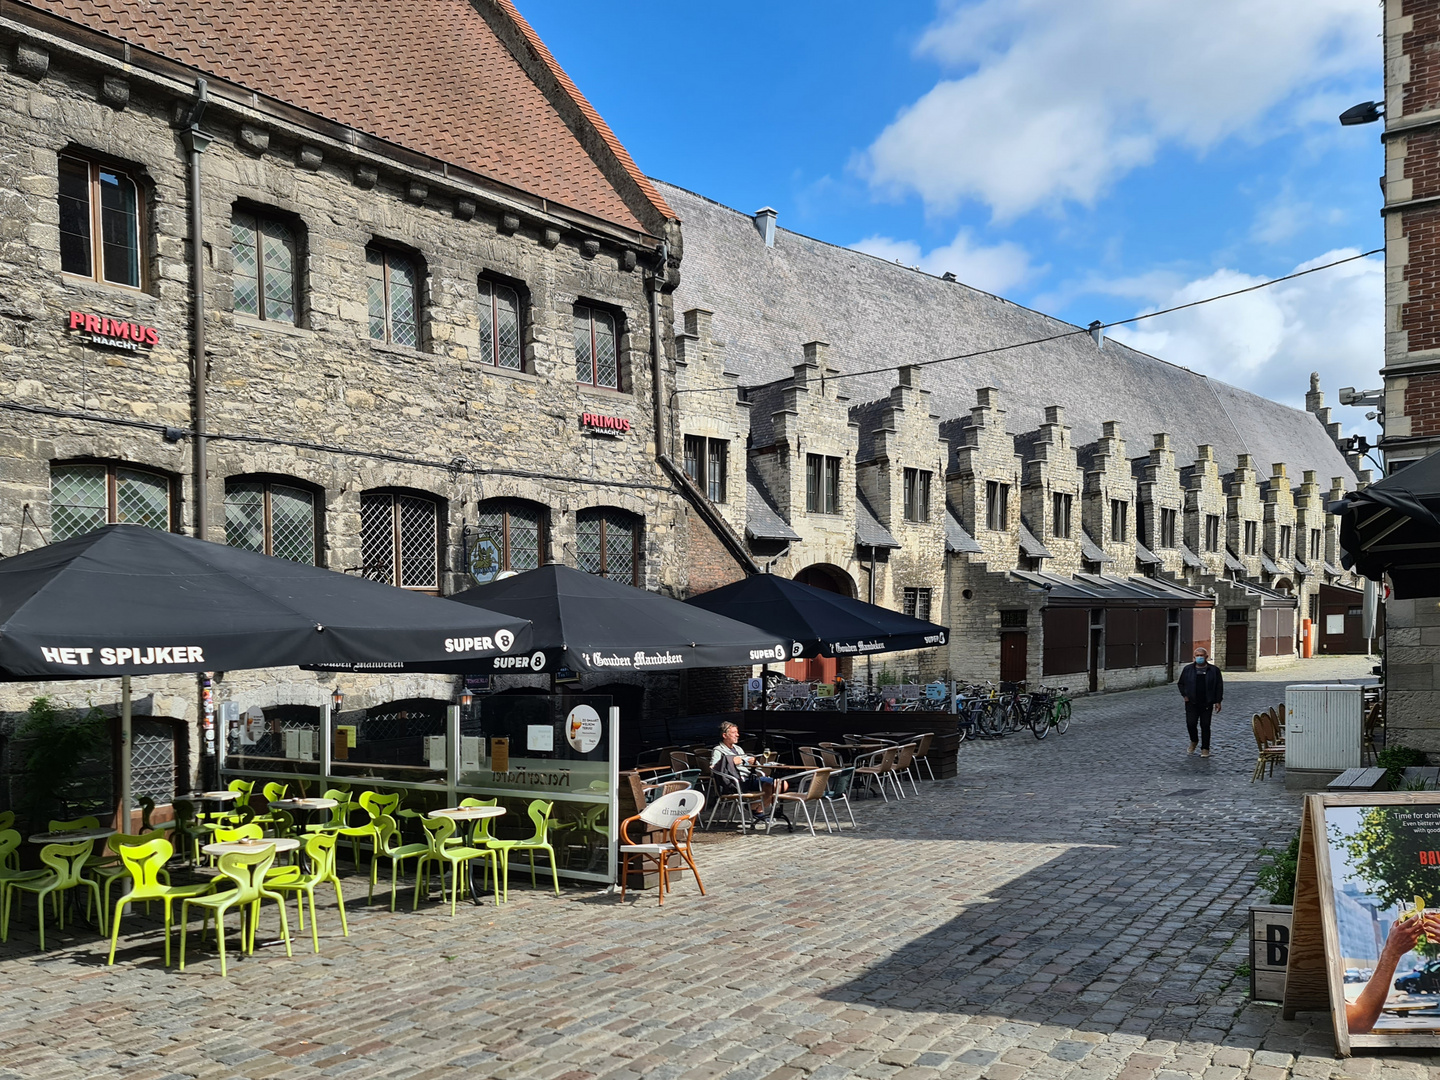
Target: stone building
pixel 1071 546
pixel 425 287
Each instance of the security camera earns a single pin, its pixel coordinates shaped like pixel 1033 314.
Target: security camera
pixel 1347 395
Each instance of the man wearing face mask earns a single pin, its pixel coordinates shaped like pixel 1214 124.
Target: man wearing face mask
pixel 1203 688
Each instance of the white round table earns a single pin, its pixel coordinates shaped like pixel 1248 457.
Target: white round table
pixel 71 836
pixel 467 813
pixel 215 796
pixel 279 843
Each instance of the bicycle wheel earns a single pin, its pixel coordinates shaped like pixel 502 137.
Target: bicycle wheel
pixel 990 719
pixel 1040 720
pixel 1062 715
pixel 1017 714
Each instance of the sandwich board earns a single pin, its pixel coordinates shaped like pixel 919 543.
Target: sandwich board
pixel 1365 933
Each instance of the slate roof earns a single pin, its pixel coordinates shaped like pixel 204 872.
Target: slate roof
pixel 957 540
pixel 1092 552
pixel 428 75
pixel 1232 562
pixel 1145 555
pixel 1030 547
pixel 762 519
pixel 1189 558
pixel 769 301
pixel 868 530
pixel 1086 589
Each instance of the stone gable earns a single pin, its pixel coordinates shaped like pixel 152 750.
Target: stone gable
pixel 982 453
pixel 1242 492
pixel 1157 491
pixel 1279 527
pixel 1108 480
pixel 1049 470
pixel 1205 499
pixel 708 406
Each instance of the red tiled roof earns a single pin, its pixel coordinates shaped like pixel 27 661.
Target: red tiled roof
pixel 429 75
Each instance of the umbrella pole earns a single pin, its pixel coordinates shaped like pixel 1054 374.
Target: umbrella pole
pixel 124 753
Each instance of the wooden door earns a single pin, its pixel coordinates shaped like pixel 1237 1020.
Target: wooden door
pixel 1014 654
pixel 1237 646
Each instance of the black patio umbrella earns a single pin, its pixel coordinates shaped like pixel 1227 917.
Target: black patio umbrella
pixel 820 623
pixel 126 600
pixel 588 623
pixel 1393 527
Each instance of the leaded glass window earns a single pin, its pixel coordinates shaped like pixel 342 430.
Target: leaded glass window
pixel 400 539
pixel 607 542
pixel 499 326
pixel 272 519
pixel 511 535
pixel 392 292
pixel 85 497
pixel 264 252
pixel 596 356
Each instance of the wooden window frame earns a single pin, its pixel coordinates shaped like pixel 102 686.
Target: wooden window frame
pixel 521 308
pixel 542 537
pixel 701 454
pixel 1119 521
pixel 97 253
pixel 591 310
pixel 1168 525
pixel 266 483
pixel 917 495
pixel 1251 537
pixel 637 541
pixel 258 216
pixel 112 488
pixel 1212 532
pixel 1061 507
pixel 822 484
pixel 387 253
pixel 397 552
pixel 997 506
pixel 910 601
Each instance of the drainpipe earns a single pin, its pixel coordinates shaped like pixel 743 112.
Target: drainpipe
pixel 656 389
pixel 195 144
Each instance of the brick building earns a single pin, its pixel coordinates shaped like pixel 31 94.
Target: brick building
pixel 428 281
pixel 997 494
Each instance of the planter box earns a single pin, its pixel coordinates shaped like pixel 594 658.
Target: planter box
pixel 1269 951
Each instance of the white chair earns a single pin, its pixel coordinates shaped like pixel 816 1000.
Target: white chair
pixel 675 812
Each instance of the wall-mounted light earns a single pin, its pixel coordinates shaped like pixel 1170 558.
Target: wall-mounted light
pixel 465 699
pixel 337 699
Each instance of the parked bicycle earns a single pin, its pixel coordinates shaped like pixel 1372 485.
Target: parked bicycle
pixel 1049 708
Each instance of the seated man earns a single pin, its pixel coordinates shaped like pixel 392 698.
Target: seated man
pixel 751 780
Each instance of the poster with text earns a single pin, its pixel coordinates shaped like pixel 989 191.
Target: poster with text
pixel 1385 879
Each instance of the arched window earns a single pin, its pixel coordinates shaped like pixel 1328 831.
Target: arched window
pixel 272 518
pixel 607 542
pixel 400 539
pixel 597 359
pixel 512 534
pixel 84 497
pixel 500 325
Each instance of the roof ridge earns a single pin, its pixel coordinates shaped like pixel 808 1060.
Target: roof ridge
pixel 546 57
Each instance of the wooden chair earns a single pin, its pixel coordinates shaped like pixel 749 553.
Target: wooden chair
pixel 1374 720
pixel 1267 751
pixel 678 812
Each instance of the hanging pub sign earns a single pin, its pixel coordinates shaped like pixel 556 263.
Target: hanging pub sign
pixel 111 333
pixel 1365 930
pixel 606 425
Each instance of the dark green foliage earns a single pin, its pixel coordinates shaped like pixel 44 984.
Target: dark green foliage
pixel 56 755
pixel 1396 759
pixel 1279 876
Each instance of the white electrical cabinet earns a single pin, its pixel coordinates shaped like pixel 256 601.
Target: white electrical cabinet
pixel 1322 726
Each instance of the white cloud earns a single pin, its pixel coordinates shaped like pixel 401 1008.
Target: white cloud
pixel 993 269
pixel 1269 341
pixel 1057 100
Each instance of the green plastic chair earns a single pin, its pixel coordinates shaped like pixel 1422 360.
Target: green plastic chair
pixel 10 860
pixel 375 806
pixel 339 813
pixel 186 836
pixel 480 827
pixel 67 863
pixel 247 869
pixel 74 825
pixel 440 830
pixel 388 844
pixel 249 831
pixel 271 792
pixel 320 848
pixel 145 862
pixel 539 811
pixel 113 868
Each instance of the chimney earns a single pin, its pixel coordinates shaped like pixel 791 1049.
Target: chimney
pixel 765 224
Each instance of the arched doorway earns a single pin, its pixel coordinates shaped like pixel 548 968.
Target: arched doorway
pixel 829 577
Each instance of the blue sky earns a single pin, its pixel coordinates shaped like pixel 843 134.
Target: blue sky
pixel 1093 160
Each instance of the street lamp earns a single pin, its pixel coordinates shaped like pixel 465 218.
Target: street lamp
pixel 337 699
pixel 1367 112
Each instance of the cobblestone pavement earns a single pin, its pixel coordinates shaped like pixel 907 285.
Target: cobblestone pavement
pixel 1072 908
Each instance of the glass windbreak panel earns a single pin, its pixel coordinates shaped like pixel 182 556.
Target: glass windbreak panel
pixel 520 748
pixel 282 739
pixel 401 741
